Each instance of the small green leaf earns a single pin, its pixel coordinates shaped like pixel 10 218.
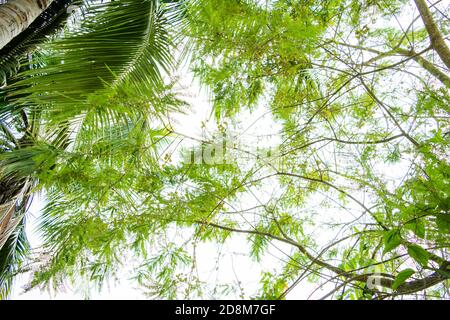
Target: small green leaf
pixel 418 227
pixel 402 277
pixel 419 254
pixel 392 240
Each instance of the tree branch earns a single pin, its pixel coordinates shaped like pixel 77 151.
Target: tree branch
pixel 427 65
pixel 386 281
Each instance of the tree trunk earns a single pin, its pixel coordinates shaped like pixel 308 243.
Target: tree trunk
pixel 8 222
pixel 13 204
pixel 17 15
pixel 436 38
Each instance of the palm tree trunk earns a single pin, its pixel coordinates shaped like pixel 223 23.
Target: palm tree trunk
pixel 11 205
pixel 8 222
pixel 49 22
pixel 17 15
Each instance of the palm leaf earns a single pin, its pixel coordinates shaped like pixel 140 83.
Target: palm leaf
pixel 118 45
pixel 12 56
pixel 12 256
pixel 116 41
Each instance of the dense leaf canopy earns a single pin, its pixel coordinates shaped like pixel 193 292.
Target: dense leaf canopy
pixel 325 158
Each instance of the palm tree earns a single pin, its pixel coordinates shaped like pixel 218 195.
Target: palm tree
pixel 117 44
pixel 51 20
pixel 15 192
pixel 17 15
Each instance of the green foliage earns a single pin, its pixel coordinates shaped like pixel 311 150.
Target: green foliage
pixel 12 257
pixel 392 239
pixel 121 40
pixel 272 286
pixel 419 254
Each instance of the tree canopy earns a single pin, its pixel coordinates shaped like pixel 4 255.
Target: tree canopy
pixel 325 157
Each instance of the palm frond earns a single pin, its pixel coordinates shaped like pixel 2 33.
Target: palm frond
pixel 12 256
pixel 15 54
pixel 76 90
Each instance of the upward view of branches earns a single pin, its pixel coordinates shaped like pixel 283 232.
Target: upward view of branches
pixel 322 160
